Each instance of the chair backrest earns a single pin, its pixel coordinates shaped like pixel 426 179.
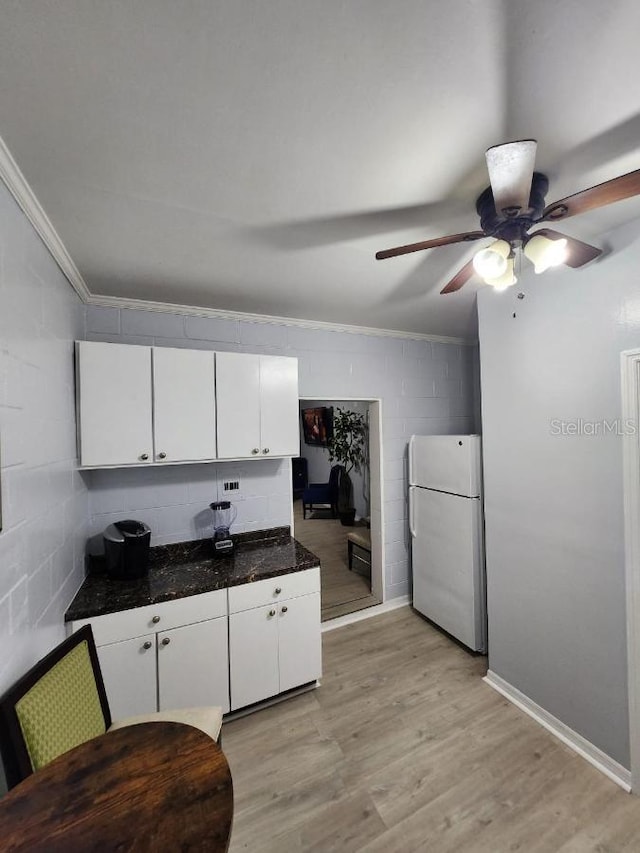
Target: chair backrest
pixel 59 703
pixel 334 476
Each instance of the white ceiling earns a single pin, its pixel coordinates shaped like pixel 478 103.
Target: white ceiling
pixel 252 156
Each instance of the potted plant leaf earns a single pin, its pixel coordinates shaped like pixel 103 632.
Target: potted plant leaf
pixel 347 447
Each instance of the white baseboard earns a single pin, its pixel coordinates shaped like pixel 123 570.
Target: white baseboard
pixel 367 613
pixel 604 763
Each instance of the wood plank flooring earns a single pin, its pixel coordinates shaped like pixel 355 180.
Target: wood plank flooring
pixel 342 591
pixel 404 748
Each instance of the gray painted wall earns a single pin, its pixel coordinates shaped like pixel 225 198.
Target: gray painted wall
pixel 44 500
pixel 425 388
pixel 554 503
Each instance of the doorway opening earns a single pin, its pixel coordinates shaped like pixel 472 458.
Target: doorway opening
pixel 350 549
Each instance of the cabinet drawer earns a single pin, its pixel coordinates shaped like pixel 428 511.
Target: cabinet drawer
pixel 259 593
pixel 155 617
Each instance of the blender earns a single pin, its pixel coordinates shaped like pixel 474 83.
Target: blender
pixel 224 514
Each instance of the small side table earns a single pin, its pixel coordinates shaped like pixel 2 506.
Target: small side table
pixel 361 541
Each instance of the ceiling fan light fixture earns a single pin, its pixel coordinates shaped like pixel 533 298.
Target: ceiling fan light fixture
pixel 544 253
pixel 491 262
pixel 506 279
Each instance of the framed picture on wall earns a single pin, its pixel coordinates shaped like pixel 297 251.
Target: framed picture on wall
pixel 317 425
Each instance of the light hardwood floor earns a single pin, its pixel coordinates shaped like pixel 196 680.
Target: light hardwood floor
pixel 342 591
pixel 403 748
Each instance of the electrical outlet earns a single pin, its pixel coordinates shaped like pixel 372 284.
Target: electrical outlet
pixel 231 485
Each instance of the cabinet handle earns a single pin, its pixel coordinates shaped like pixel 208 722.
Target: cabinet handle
pixel 266 450
pixel 146 645
pixel 255 450
pixel 272 613
pixel 284 609
pixel 165 641
pixel 144 456
pixel 155 620
pixel 278 590
pixel 162 455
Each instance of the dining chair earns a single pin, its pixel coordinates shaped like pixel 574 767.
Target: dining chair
pixel 61 702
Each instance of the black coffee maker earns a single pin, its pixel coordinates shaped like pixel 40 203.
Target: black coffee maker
pixel 126 548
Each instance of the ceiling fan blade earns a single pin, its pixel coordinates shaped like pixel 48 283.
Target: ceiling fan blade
pixel 459 279
pixel 465 237
pixel 510 169
pixel 578 253
pixel 616 189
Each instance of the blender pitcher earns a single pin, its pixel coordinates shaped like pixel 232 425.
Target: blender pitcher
pixel 224 514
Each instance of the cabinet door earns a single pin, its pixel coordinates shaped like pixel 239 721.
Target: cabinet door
pixel 253 652
pixel 184 407
pixel 279 408
pixel 238 397
pixel 300 641
pixel 193 667
pixel 129 674
pixel 114 403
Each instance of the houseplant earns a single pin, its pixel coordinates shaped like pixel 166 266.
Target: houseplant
pixel 347 447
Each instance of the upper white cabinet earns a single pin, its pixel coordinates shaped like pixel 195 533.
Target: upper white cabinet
pixel 114 404
pixel 257 405
pixel 184 404
pixel 238 395
pixel 279 407
pixel 144 405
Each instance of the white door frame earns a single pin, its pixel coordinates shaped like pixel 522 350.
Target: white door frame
pixel 376 486
pixel 630 363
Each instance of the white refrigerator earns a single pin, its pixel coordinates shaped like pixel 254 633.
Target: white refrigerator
pixel 446 524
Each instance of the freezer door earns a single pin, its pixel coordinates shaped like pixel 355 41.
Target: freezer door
pixel 448 564
pixel 449 463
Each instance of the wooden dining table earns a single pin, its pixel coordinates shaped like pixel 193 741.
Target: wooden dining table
pixel 149 787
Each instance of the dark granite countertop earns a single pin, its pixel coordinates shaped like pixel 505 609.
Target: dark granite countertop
pixel 191 568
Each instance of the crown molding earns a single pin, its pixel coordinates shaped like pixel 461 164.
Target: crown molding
pixel 17 185
pixel 217 313
pixel 25 197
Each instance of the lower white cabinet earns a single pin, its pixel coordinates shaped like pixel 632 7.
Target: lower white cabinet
pixel 189 652
pixel 169 655
pixel 253 656
pixel 193 667
pixel 276 646
pixel 129 675
pixel 299 641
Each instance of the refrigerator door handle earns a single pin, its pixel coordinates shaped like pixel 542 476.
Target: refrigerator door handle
pixel 412 529
pixel 410 453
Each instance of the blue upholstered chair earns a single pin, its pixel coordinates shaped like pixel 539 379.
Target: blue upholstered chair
pixel 323 494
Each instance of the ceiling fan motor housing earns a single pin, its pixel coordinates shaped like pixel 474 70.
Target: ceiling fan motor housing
pixel 514 226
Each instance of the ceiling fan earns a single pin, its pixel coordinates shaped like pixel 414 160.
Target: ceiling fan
pixel 508 209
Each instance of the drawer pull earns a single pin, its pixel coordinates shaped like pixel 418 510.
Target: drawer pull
pixel 146 645
pixel 144 457
pixel 266 450
pixel 284 609
pixel 272 613
pixel 278 590
pixel 162 455
pixel 165 641
pixel 155 620
pixel 255 450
